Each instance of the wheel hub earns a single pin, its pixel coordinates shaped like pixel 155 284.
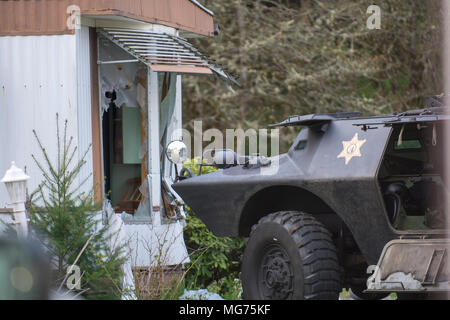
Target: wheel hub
pixel 276 274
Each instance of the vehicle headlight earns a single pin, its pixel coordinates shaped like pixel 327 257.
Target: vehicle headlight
pixel 176 152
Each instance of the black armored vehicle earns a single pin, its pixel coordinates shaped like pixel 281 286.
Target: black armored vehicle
pixel 356 202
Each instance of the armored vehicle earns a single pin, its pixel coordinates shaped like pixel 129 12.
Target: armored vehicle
pixel 357 202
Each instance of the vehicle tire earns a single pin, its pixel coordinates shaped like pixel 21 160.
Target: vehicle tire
pixel 290 256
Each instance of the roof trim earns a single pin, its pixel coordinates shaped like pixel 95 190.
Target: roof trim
pixel 25 17
pixel 202 7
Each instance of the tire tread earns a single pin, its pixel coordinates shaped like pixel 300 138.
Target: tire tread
pixel 322 272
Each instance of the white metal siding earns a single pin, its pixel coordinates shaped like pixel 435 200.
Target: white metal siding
pixel 37 80
pixel 84 104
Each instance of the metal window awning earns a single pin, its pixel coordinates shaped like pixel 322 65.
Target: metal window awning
pixel 164 53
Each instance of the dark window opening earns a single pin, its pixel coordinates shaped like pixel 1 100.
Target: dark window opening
pixel 301 145
pixel 408 144
pixel 411 177
pixel 121 157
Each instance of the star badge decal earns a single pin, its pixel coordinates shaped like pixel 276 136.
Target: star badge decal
pixel 352 148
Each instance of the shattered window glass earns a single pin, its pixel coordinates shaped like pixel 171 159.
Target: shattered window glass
pixel 124 130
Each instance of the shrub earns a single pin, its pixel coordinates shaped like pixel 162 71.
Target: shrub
pixel 215 262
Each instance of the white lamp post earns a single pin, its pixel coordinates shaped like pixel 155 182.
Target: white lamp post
pixel 15 181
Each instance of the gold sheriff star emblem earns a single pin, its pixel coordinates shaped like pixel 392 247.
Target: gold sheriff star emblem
pixel 352 149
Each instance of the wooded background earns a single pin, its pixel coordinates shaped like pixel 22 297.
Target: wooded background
pixel 297 57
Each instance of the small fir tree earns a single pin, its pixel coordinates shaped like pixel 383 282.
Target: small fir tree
pixel 66 222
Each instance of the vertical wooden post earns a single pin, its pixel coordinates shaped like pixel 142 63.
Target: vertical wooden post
pixel 96 119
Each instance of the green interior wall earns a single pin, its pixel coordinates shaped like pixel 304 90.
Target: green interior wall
pixel 131 166
pixel 131 131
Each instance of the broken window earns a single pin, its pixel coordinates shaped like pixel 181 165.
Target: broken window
pixel 124 104
pixel 124 127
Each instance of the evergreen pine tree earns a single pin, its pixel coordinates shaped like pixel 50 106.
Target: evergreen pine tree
pixel 67 222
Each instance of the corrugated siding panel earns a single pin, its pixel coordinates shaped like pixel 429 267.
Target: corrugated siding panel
pixel 33 17
pixel 26 17
pixel 37 80
pixel 133 7
pixel 148 8
pixel 84 105
pixel 185 10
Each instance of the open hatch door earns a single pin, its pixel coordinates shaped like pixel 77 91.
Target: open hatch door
pixel 412 265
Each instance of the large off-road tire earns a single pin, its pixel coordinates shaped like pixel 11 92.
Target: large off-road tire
pixel 290 256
